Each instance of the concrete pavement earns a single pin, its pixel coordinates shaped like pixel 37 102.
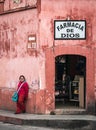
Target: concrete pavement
pixel 78 122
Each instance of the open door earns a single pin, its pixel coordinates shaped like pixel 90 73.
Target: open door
pixel 70 81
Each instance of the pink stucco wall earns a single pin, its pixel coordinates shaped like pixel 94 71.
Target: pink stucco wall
pixel 16 59
pixel 14 32
pixel 61 10
pixel 74 10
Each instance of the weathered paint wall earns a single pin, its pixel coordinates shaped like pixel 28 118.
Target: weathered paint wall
pixel 61 10
pixel 16 59
pixel 74 10
pixel 13 45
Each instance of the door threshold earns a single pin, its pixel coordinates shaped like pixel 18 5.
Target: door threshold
pixel 70 111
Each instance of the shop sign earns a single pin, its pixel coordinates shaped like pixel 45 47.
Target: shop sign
pixel 71 29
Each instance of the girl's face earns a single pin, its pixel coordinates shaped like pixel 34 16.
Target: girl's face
pixel 22 79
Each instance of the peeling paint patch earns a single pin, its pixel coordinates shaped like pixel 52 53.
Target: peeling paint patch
pixel 49 100
pixel 7 42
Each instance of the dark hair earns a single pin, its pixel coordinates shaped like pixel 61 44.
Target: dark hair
pixel 22 76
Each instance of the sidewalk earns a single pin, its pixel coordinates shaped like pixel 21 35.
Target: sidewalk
pixel 77 122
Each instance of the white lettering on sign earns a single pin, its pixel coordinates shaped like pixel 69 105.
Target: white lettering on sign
pixel 69 29
pixel 31 38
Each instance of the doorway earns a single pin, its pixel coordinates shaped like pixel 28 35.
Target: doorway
pixel 70 81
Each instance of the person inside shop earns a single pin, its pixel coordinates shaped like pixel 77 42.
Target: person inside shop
pixel 22 95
